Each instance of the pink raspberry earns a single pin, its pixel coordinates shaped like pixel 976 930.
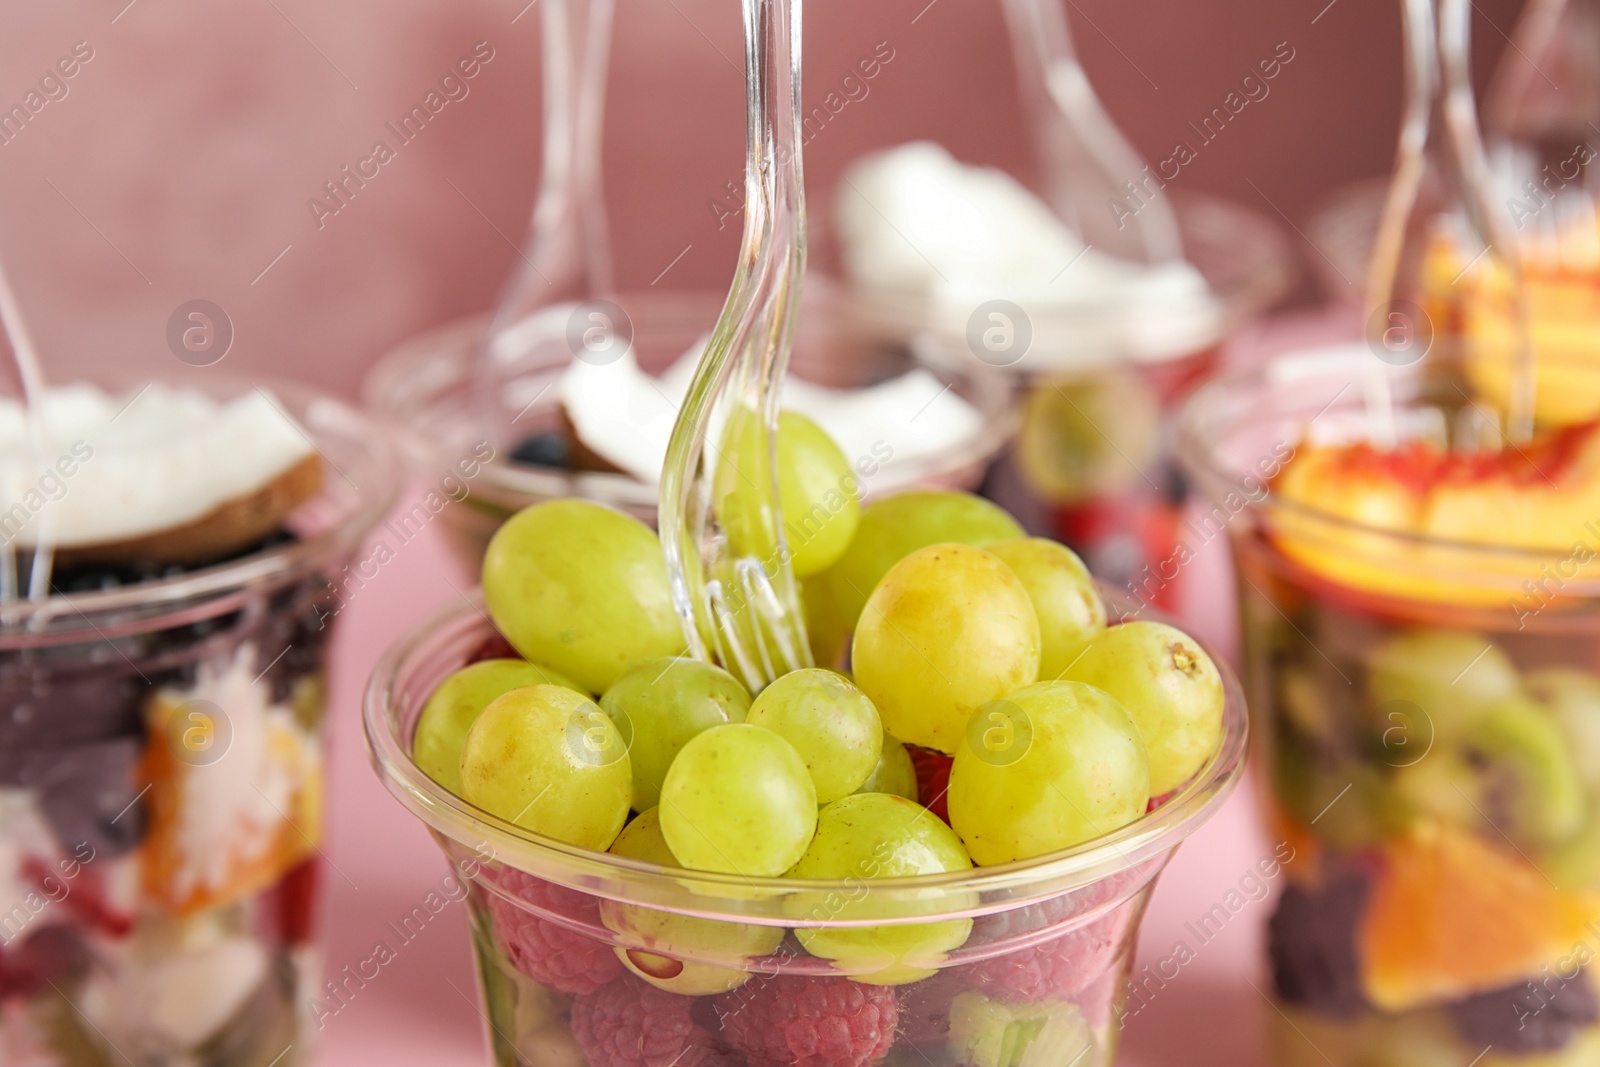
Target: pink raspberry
pixel 630 1023
pixel 1057 969
pixel 933 779
pixel 546 951
pixel 809 1021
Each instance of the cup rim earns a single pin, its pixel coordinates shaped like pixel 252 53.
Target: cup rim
pixel 1202 425
pixel 984 889
pixel 208 589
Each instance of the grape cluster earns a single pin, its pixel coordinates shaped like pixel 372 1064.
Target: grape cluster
pixel 967 657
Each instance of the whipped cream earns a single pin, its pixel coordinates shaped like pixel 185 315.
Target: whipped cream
pixel 915 223
pixel 625 416
pixel 119 467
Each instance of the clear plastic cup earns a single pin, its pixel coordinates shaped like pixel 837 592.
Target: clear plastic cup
pixel 161 787
pixel 1426 715
pixel 427 391
pixel 1040 978
pixel 1093 463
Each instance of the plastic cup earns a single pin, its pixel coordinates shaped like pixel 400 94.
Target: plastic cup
pixel 1427 722
pixel 161 786
pixel 1100 381
pixel 559 932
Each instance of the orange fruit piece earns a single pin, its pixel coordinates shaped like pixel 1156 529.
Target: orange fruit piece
pixel 1450 916
pixel 221 831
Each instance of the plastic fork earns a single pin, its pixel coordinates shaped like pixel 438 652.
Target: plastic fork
pixel 739 607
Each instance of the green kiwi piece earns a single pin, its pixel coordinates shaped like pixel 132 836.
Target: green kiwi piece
pixel 1451 675
pixel 1574 864
pixel 1573 697
pixel 1520 776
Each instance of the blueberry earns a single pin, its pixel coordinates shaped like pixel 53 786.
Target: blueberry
pixel 1541 1014
pixel 1311 939
pixel 542 450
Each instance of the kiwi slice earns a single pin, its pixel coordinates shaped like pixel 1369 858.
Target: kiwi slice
pixel 1450 675
pixel 1511 774
pixel 1573 697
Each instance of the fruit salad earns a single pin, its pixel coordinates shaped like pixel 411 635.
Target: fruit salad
pixel 1419 630
pixel 161 710
pixel 934 847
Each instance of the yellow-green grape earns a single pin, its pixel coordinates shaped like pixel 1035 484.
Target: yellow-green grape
pixel 877 835
pixel 1064 597
pixel 738 799
pixel 582 588
pixel 1046 768
pixel 818 492
pixel 549 760
pixel 1170 687
pixel 950 627
pixel 659 704
pixel 830 723
pixel 450 711
pixel 896 526
pixel 895 773
pixel 669 950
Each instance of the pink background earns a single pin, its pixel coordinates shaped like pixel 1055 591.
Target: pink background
pixel 180 162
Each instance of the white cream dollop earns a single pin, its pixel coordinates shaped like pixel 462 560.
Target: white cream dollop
pixel 115 468
pixel 916 223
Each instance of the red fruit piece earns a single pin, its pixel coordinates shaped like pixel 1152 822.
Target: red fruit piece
pixel 630 1023
pixel 808 1021
pixel 1057 969
pixel 546 951
pixel 933 779
pixel 1156 802
pixel 493 647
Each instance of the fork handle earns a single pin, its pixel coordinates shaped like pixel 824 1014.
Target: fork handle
pixel 744 361
pixel 1084 156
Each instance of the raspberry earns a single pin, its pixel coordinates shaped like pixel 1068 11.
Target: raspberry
pixel 809 1021
pixel 630 1023
pixel 552 954
pixel 933 779
pixel 1056 969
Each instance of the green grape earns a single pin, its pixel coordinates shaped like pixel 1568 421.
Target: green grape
pixel 950 627
pixel 1049 767
pixel 659 704
pixel 582 588
pixel 896 526
pixel 828 633
pixel 895 773
pixel 738 799
pixel 1170 687
pixel 1064 597
pixel 829 722
pixel 450 711
pixel 818 492
pixel 876 835
pixel 1450 675
pixel 549 760
pixel 669 950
